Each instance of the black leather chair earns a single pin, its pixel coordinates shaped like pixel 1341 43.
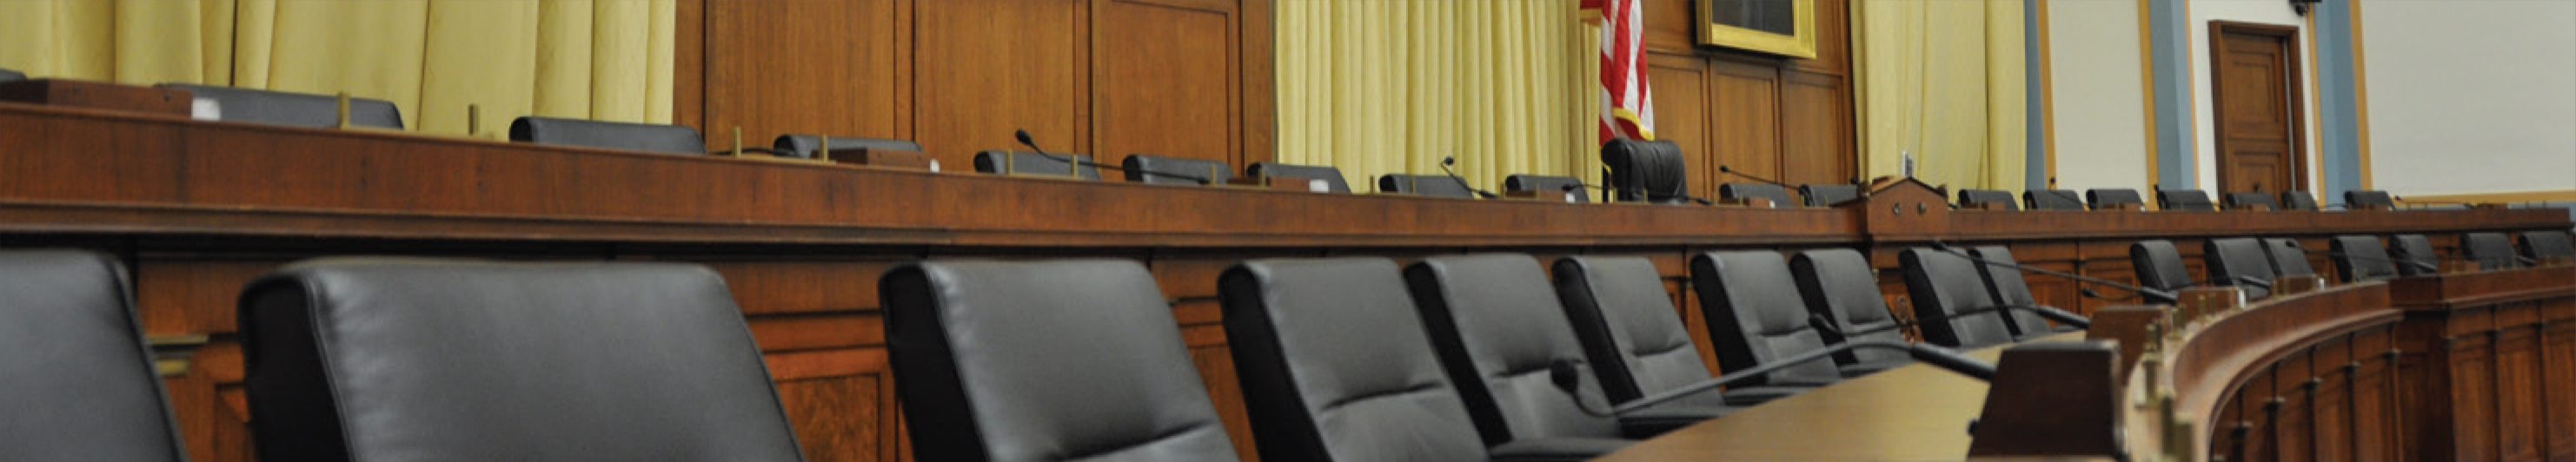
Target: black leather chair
pixel 2288 258
pixel 1424 185
pixel 2544 245
pixel 1977 198
pixel 1175 170
pixel 2247 201
pixel 2361 258
pixel 293 109
pixel 1499 329
pixel 2184 200
pixel 1547 185
pixel 1740 191
pixel 2364 198
pixel 2233 261
pixel 2052 199
pixel 11 76
pixel 2416 253
pixel 1826 195
pixel 80 384
pixel 2298 200
pixel 1049 360
pixel 1839 285
pixel 1635 340
pixel 2492 251
pixel 1651 171
pixel 1947 294
pixel 1331 176
pixel 1336 366
pixel 2112 197
pixel 803 146
pixel 1031 163
pixel 405 359
pixel 2159 266
pixel 675 139
pixel 2008 287
pixel 1755 319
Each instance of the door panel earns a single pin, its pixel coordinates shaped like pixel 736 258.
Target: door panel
pixel 2254 90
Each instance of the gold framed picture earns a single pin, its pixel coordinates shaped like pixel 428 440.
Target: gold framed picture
pixel 1780 27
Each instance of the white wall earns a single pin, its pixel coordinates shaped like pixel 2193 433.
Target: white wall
pixel 2274 12
pixel 2470 96
pixel 2098 94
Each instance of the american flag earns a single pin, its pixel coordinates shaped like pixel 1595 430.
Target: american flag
pixel 1627 107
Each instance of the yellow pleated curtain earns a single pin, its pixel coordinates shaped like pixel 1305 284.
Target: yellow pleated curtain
pixel 1375 87
pixel 608 60
pixel 1942 80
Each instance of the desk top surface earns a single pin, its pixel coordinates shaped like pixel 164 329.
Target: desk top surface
pixel 1911 413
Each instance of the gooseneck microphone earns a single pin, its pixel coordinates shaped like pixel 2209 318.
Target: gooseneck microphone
pixel 1731 171
pixel 1023 135
pixel 1445 162
pixel 1567 374
pixel 1944 247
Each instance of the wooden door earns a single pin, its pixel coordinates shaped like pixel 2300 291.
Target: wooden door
pixel 2254 74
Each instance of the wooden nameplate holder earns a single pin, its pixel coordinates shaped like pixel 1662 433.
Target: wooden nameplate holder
pixel 889 158
pixel 99 95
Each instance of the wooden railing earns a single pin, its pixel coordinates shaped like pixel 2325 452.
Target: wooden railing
pixel 198 208
pixel 2470 366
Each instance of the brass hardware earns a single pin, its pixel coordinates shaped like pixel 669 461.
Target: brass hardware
pixel 1216 176
pixel 1010 163
pixel 473 120
pixel 344 110
pixel 172 354
pixel 824 152
pixel 737 141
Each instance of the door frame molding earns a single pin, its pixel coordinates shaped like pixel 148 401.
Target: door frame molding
pixel 2292 78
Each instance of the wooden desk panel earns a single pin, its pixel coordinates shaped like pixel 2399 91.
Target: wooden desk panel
pixel 1915 412
pixel 197 208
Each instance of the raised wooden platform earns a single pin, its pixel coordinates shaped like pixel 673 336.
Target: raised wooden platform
pixel 197 208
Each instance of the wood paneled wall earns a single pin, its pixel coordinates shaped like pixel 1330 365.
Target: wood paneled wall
pixel 1183 78
pixel 1787 119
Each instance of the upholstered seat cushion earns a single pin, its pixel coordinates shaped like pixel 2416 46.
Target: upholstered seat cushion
pixel 76 383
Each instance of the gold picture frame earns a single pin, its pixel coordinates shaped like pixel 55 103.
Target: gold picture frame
pixel 1801 44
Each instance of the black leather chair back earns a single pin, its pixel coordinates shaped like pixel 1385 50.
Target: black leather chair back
pixel 1975 198
pixel 1335 364
pixel 2492 251
pixel 2544 245
pixel 675 139
pixel 2247 200
pixel 11 76
pixel 2361 198
pixel 1650 171
pixel 2416 249
pixel 80 386
pixel 1754 318
pixel 2288 257
pixel 398 359
pixel 803 146
pixel 1031 163
pixel 293 109
pixel 1839 284
pixel 2298 200
pixel 1943 286
pixel 1629 329
pixel 1826 195
pixel 2362 258
pixel 2052 199
pixel 1498 327
pixel 1739 191
pixel 2184 200
pixel 2007 286
pixel 1424 185
pixel 1175 170
pixel 2231 258
pixel 2159 266
pixel 1546 186
pixel 2112 197
pixel 1332 176
pixel 1048 360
